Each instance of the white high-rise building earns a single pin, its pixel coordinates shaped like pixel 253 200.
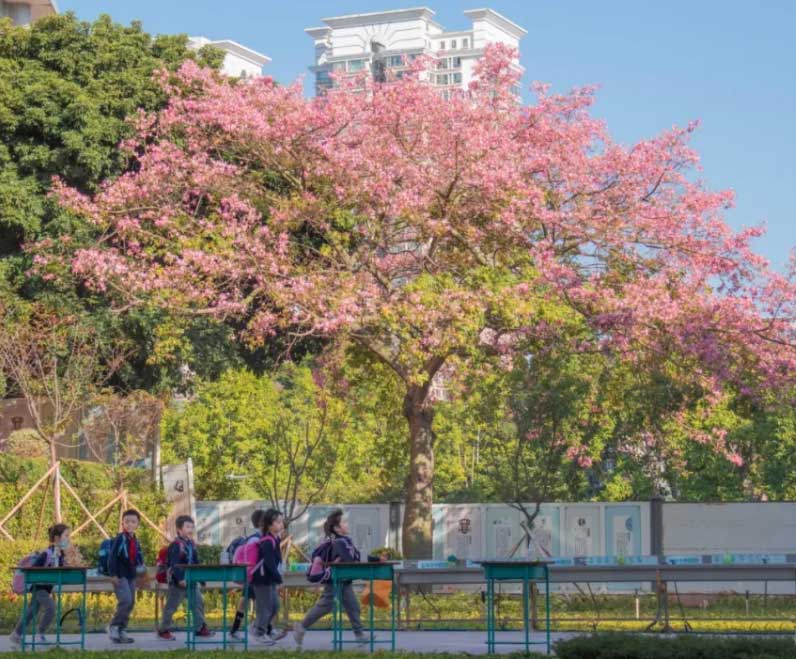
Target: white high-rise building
pixel 387 41
pixel 25 12
pixel 239 61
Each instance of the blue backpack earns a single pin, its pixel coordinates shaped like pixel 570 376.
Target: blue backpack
pixel 319 571
pixel 104 554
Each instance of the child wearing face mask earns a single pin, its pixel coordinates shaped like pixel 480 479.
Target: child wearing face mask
pixel 125 566
pixel 43 603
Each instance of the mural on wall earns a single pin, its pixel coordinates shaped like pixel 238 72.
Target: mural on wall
pixel 582 531
pixel 208 522
pixel 623 530
pixel 457 531
pixel 545 541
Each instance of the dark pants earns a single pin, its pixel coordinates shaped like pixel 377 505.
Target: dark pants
pixel 173 600
pixel 40 601
pixel 325 605
pixel 267 599
pixel 125 601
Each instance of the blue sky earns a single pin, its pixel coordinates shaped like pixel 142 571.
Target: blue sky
pixel 730 64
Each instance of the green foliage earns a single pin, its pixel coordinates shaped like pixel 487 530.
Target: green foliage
pixel 617 646
pixel 95 485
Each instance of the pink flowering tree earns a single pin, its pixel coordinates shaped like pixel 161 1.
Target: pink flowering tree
pixel 423 230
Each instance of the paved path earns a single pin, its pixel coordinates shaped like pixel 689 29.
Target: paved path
pixel 465 642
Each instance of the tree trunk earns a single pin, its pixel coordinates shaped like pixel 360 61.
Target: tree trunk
pixel 56 478
pixel 417 524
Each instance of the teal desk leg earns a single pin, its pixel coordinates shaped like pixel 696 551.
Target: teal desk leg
pixel 224 613
pixel 525 614
pixel 58 613
pixel 394 599
pixel 83 620
pixel 490 616
pixel 337 621
pixel 246 615
pixel 24 617
pixel 547 606
pixel 372 598
pixel 190 639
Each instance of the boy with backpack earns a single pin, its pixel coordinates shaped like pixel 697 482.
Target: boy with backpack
pixel 266 576
pixel 234 553
pixel 125 563
pixel 336 548
pixel 42 601
pixel 182 552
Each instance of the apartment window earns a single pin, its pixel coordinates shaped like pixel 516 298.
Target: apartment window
pixel 16 422
pixel 442 45
pixel 356 64
pixel 19 14
pixel 457 78
pixel 442 80
pixel 453 44
pixel 338 66
pixel 323 79
pixel 443 63
pixel 396 60
pixel 465 43
pixel 456 62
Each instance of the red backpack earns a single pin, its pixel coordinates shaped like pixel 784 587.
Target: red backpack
pixel 162 569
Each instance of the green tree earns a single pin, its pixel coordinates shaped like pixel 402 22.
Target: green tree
pixel 67 91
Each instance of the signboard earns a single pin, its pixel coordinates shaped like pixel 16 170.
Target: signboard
pixel 208 523
pixel 623 530
pixel 457 531
pixel 582 531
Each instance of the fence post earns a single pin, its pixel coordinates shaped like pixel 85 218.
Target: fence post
pixel 656 527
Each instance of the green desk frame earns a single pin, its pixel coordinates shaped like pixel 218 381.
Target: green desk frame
pixel 226 574
pixel 58 577
pixel 525 573
pixel 370 572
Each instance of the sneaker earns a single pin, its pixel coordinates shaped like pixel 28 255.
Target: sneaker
pixel 124 638
pixel 236 636
pixel 113 633
pixel 265 639
pixel 298 633
pixel 15 640
pixel 364 639
pixel 278 634
pixel 255 631
pixel 204 631
pixel 166 636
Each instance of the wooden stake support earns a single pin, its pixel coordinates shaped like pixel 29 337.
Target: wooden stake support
pixel 152 524
pixel 83 507
pixel 98 513
pixel 24 499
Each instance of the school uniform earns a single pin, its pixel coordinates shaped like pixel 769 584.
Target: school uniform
pixel 182 552
pixel 343 550
pixel 125 562
pixel 266 579
pixel 42 602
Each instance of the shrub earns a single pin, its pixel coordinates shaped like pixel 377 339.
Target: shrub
pixel 626 646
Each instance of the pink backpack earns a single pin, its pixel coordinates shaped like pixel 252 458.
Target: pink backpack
pixel 18 583
pixel 251 555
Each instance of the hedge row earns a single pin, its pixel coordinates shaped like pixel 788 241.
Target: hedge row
pixel 626 646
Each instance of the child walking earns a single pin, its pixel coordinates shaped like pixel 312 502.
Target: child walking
pixel 335 528
pixel 256 520
pixel 182 552
pixel 42 601
pixel 125 565
pixel 267 576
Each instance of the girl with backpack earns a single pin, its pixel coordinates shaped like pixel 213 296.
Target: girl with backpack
pixel 267 576
pixel 42 601
pixel 339 549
